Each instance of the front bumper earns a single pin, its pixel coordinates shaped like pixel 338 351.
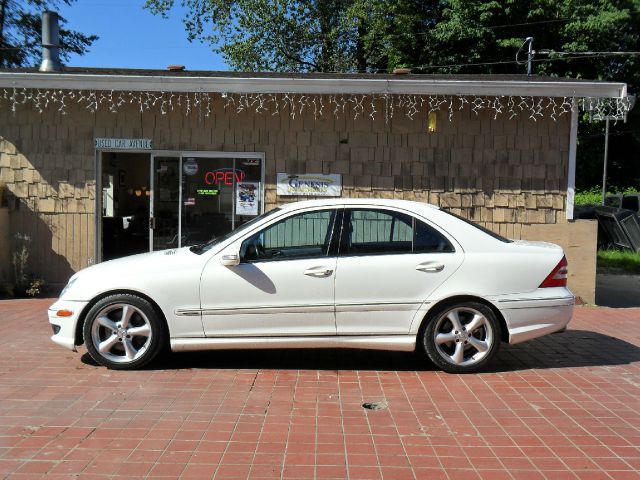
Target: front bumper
pixel 544 311
pixel 65 327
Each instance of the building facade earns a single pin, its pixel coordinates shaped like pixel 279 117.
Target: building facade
pixel 100 164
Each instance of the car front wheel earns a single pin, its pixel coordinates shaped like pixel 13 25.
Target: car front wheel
pixel 123 332
pixel 462 338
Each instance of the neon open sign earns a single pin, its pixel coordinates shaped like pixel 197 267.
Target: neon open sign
pixel 225 176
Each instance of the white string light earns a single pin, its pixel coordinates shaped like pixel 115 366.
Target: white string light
pixel 357 105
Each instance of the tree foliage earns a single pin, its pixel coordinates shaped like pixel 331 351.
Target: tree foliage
pixel 445 36
pixel 20 33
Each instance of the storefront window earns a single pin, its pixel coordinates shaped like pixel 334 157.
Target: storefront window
pixel 218 195
pixel 187 200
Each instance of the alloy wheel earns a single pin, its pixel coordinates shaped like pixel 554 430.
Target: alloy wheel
pixel 121 333
pixel 463 336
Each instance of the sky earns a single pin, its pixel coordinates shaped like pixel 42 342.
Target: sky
pixel 131 37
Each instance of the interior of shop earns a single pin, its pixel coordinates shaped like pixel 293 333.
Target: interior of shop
pixel 125 204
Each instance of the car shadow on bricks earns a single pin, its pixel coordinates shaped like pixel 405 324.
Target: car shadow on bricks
pixel 294 359
pixel 573 348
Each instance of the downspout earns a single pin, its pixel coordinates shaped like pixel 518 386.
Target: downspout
pixel 571 176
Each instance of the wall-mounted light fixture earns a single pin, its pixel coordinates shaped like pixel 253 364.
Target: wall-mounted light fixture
pixel 432 122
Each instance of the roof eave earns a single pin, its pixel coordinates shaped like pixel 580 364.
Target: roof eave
pixel 136 83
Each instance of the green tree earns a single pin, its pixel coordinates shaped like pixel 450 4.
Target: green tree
pixel 481 31
pixel 20 33
pixel 303 35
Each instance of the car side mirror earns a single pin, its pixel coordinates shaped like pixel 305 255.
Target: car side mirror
pixel 230 260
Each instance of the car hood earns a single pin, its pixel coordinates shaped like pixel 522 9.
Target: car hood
pixel 132 272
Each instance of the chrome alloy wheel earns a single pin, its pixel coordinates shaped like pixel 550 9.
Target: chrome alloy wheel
pixel 463 336
pixel 121 333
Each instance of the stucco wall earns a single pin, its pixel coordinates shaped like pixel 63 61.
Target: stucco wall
pixel 579 239
pixel 503 173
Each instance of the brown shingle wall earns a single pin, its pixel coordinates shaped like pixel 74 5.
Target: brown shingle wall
pixel 502 173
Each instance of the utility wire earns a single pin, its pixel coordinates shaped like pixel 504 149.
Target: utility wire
pixel 538 60
pixel 549 52
pixel 539 22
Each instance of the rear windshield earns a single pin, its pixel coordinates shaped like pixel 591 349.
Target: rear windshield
pixel 482 229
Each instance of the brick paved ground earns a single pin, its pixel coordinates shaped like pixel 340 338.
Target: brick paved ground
pixel 563 407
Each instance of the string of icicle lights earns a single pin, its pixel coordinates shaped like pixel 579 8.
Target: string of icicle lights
pixel 356 105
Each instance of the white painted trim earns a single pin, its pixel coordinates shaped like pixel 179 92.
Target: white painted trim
pixel 571 174
pixel 405 343
pixel 417 86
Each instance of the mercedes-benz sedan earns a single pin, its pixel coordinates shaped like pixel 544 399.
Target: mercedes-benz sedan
pixel 338 273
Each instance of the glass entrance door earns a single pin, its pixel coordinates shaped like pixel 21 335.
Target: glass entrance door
pixel 164 231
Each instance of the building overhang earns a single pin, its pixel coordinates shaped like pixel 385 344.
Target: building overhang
pixel 300 84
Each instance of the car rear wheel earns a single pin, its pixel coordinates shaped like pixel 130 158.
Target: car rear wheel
pixel 123 332
pixel 462 338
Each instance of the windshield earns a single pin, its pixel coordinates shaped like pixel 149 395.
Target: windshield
pixel 479 227
pixel 199 249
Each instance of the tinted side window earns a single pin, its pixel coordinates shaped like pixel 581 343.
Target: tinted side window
pixel 300 236
pixel 428 240
pixel 372 232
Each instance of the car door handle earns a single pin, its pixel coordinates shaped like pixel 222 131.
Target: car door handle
pixel 321 271
pixel 430 267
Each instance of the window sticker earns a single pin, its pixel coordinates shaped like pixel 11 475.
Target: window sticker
pixel 247 194
pixel 190 166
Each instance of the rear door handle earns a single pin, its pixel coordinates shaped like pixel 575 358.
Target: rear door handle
pixel 321 271
pixel 431 267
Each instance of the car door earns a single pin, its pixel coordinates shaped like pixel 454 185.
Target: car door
pixel 284 284
pixel 388 264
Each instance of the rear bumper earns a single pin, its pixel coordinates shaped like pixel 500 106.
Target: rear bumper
pixel 538 313
pixel 65 327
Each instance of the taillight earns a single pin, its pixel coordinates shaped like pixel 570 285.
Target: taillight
pixel 558 276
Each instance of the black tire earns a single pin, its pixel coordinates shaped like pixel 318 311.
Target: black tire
pixel 128 343
pixel 458 349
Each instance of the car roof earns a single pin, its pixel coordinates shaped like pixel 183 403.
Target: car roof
pixel 382 202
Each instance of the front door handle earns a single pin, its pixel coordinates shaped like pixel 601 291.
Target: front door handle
pixel 321 271
pixel 430 267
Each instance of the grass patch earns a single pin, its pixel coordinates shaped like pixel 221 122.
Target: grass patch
pixel 621 261
pixel 593 195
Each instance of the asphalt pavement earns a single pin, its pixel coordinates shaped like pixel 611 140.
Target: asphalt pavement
pixel 618 291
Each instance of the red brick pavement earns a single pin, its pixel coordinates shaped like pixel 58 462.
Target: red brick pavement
pixel 563 407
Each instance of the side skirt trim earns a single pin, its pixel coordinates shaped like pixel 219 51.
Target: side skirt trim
pixel 403 343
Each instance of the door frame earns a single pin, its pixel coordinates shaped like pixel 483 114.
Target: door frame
pixel 180 154
pixel 152 186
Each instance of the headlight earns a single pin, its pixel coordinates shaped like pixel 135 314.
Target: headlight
pixel 68 286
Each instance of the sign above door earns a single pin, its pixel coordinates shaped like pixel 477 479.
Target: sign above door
pixel 124 143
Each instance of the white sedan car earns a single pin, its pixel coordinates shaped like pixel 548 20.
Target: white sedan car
pixel 338 273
